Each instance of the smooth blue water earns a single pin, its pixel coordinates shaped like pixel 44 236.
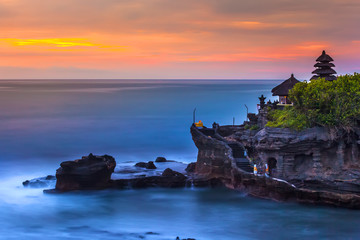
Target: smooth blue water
pixel 46 122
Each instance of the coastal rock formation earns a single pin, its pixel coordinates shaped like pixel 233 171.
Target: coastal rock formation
pixel 89 172
pixel 148 165
pixel 214 155
pixel 191 167
pixel 313 154
pixel 94 172
pixel 41 182
pixel 168 179
pixel 313 166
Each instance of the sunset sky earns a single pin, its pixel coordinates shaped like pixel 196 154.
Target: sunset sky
pixel 202 39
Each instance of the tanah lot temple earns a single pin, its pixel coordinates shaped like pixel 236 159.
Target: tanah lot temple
pixel 281 162
pixel 314 165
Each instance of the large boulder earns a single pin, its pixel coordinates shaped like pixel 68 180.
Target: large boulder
pixel 89 172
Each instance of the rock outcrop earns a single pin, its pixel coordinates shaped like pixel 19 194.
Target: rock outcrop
pixel 94 172
pixel 148 165
pixel 160 159
pixel 317 154
pixel 41 182
pixel 191 167
pixel 314 166
pixel 89 172
pixel 168 179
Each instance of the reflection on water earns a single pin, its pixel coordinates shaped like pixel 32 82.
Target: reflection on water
pixel 46 122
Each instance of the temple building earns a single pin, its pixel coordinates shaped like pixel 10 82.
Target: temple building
pixel 282 90
pixel 324 68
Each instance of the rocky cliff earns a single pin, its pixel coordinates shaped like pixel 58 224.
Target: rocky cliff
pixel 315 166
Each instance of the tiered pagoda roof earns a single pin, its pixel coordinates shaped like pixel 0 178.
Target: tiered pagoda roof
pixel 324 68
pixel 284 87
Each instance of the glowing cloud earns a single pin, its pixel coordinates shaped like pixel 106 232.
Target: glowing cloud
pixel 57 42
pixel 176 39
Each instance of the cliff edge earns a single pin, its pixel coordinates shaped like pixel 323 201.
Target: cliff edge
pixel 313 166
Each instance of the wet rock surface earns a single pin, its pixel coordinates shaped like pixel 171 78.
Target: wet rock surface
pixel 191 167
pixel 168 179
pixel 89 172
pixel 160 159
pixel 95 172
pixel 148 165
pixel 41 182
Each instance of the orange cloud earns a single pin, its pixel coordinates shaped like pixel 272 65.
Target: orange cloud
pixel 140 34
pixel 313 46
pixel 56 42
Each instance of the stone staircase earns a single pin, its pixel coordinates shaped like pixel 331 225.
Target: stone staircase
pixel 244 164
pixel 239 156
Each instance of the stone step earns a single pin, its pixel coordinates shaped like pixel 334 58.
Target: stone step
pixel 245 166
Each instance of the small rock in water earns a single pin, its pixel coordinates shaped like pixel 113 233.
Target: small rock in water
pixel 50 177
pixel 177 238
pixel 39 182
pixel 148 165
pixel 141 164
pixel 160 159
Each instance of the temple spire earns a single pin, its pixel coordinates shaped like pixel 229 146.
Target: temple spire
pixel 324 67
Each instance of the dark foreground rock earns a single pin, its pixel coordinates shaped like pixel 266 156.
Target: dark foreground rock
pixel 191 167
pixel 89 172
pixel 170 173
pixel 148 165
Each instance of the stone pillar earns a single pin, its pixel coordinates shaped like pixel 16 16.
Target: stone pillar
pixel 340 153
pixel 262 118
pixel 317 165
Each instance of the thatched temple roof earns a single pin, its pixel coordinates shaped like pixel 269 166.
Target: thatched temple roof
pixel 283 88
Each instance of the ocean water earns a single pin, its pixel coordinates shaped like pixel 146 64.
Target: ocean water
pixel 45 122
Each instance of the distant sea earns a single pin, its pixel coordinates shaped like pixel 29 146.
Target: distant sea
pixel 45 122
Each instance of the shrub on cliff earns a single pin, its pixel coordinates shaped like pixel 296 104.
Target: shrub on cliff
pixel 334 104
